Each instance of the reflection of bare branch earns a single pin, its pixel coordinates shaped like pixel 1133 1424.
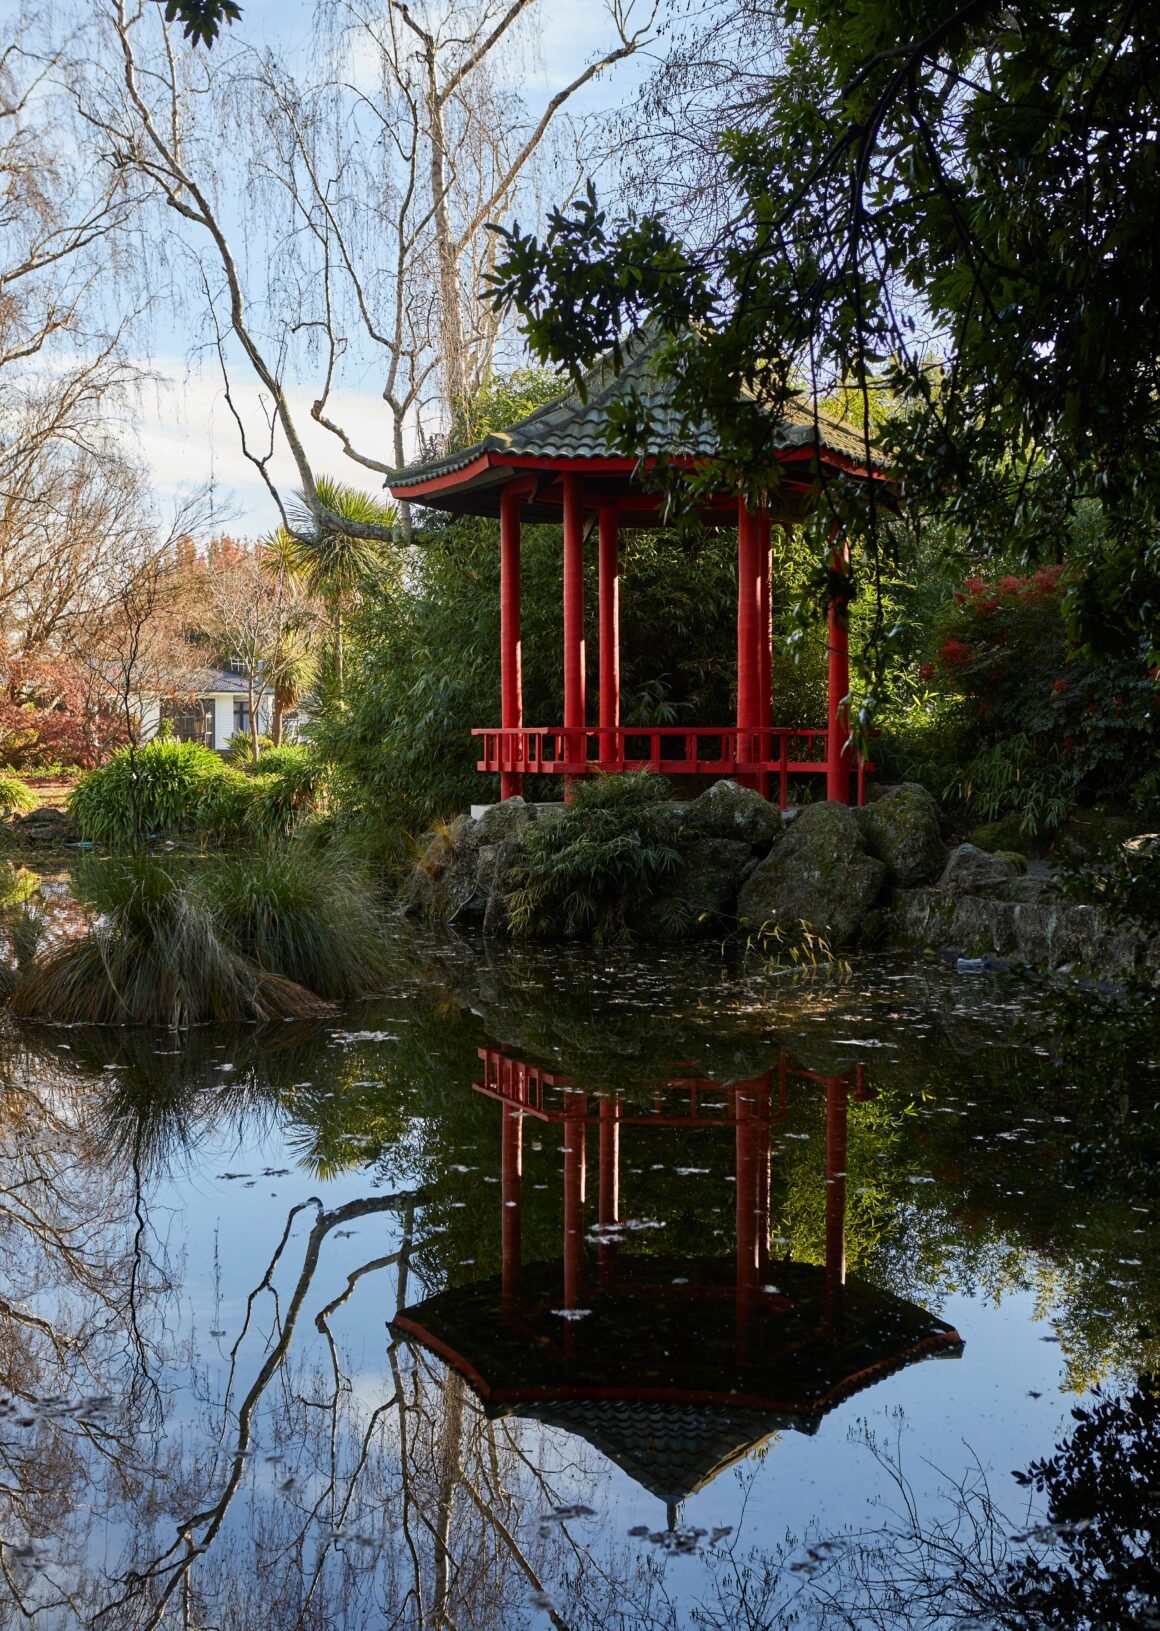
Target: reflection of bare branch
pixel 211 1519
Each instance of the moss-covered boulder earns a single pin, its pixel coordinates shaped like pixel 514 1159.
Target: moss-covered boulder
pixel 971 871
pixel 700 895
pixel 727 810
pixel 818 873
pixel 902 830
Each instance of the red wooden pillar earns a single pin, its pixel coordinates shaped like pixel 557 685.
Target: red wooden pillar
pixel 511 782
pixel 838 719
pixel 609 638
pixel 511 1183
pixel 764 647
pixel 837 1096
pixel 575 1147
pixel 574 697
pixel 748 706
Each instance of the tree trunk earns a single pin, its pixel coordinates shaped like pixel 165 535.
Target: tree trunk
pixel 451 338
pixel 255 746
pixel 339 661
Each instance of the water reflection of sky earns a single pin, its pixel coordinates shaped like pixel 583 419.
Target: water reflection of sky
pixel 373 1487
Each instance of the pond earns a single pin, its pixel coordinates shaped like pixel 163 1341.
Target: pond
pixel 580 1290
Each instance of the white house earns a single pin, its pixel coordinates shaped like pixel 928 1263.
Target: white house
pixel 216 710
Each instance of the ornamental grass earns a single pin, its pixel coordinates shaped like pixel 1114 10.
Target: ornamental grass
pixel 274 937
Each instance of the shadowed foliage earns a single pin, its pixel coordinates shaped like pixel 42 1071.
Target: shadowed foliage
pixel 583 871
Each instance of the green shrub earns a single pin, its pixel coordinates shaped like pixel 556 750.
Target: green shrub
pixel 151 789
pixel 16 797
pixel 226 804
pixel 293 789
pixel 152 955
pixel 584 871
pixel 240 753
pixel 276 760
pixel 309 916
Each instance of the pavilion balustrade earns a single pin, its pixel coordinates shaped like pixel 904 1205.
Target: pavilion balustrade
pixel 773 752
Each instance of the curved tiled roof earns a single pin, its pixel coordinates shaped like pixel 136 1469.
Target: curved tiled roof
pixel 653 1376
pixel 573 427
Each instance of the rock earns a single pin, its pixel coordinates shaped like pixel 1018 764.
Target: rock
pixel 442 885
pixel 902 829
pixel 981 925
pixel 1141 850
pixel 727 810
pixel 701 895
pixel 993 836
pixel 818 873
pixel 1088 832
pixel 973 871
pixel 921 917
pixel 503 820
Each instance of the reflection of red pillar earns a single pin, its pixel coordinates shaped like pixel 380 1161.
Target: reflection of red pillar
pixel 748 1135
pixel 761 1206
pixel 609 1198
pixel 511 681
pixel 574 700
pixel 836 1117
pixel 838 714
pixel 575 1141
pixel 511 1182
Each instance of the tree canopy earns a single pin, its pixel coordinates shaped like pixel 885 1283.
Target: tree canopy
pixel 956 203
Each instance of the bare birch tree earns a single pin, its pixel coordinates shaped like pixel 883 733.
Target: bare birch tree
pixel 372 171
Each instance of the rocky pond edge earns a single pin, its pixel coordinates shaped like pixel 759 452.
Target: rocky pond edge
pixel 879 877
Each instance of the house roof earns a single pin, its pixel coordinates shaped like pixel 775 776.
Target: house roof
pixel 570 432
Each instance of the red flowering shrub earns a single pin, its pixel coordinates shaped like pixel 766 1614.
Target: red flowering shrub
pixel 1079 730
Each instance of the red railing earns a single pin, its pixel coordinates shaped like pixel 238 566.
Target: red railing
pixel 677 1101
pixel 675 750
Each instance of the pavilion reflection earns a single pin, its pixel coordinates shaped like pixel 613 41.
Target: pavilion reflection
pixel 674 1367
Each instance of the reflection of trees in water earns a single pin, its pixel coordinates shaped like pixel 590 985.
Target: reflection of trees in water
pixel 310 1490
pixel 1089 1562
pixel 78 1343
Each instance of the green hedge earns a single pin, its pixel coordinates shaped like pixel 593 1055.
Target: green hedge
pixel 168 787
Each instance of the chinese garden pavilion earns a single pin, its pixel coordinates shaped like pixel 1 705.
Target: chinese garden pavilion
pixel 673 1367
pixel 555 466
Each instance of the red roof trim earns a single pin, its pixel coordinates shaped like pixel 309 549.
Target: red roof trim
pixel 606 464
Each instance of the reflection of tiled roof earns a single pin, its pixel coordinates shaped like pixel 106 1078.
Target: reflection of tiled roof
pixel 670 1450
pixel 574 428
pixel 660 1344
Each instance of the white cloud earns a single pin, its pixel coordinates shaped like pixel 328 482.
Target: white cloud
pixel 188 439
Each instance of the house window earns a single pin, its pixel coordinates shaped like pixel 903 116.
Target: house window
pixel 241 717
pixel 190 721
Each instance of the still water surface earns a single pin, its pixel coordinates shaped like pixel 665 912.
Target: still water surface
pixel 633 1291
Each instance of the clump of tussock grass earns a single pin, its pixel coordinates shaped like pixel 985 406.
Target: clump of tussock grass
pixel 153 953
pixel 311 914
pixel 16 797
